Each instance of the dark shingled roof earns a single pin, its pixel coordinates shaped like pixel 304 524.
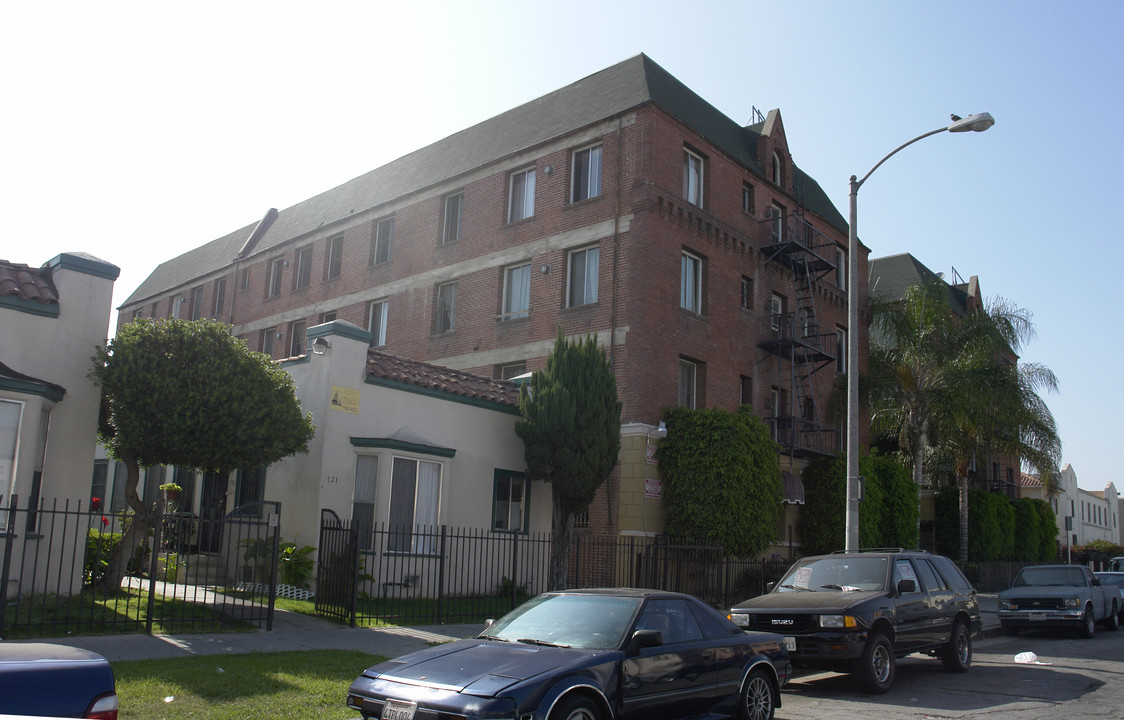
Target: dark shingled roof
pixel 433 377
pixel 892 276
pixel 605 94
pixel 23 282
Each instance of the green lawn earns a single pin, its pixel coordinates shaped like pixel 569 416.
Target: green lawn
pixel 310 685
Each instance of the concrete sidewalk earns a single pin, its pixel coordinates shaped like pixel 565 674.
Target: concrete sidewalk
pixel 294 631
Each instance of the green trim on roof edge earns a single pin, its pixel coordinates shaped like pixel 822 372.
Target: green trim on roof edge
pixel 442 395
pixel 392 444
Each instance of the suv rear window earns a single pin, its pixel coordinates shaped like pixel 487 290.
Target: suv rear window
pixel 951 574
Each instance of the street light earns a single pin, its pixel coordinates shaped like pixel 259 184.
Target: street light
pixel 974 123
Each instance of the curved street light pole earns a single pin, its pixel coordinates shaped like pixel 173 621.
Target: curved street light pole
pixel 974 123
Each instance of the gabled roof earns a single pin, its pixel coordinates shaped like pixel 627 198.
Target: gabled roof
pixel 23 282
pixel 892 276
pixel 391 370
pixel 618 89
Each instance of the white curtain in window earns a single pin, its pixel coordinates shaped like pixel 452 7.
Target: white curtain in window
pixel 425 509
pixel 9 432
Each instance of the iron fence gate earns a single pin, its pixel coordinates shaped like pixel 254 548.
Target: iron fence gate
pixel 54 557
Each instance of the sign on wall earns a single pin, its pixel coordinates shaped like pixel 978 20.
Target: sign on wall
pixel 345 400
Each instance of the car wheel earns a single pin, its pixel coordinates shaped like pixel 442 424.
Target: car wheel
pixel 757 698
pixel 957 654
pixel 1010 630
pixel 1088 624
pixel 875 669
pixel 1112 622
pixel 576 707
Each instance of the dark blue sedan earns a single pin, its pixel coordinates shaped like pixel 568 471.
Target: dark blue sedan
pixel 598 654
pixel 56 681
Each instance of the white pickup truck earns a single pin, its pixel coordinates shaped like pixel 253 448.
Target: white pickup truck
pixel 1058 596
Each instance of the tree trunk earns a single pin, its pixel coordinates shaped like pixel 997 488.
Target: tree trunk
pixel 962 485
pixel 919 475
pixel 137 533
pixel 561 537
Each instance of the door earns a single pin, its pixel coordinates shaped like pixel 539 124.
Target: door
pixel 913 609
pixel 212 508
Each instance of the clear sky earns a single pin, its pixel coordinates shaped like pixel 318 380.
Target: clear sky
pixel 135 131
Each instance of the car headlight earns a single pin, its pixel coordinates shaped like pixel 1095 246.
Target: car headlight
pixel 1072 602
pixel 739 619
pixel 1006 605
pixel 838 621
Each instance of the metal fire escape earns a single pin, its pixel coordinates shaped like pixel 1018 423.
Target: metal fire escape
pixel 797 341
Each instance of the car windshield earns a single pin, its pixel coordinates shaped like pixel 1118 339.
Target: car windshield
pixel 1047 576
pixel 841 573
pixel 569 620
pixel 1111 579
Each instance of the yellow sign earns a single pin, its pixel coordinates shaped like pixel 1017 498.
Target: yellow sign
pixel 345 400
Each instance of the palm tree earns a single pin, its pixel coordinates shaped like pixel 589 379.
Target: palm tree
pixel 948 382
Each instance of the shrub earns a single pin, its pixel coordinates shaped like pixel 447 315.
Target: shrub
pixel 99 548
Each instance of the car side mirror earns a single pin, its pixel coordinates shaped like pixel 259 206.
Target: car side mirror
pixel 906 586
pixel 645 638
pixel 488 623
pixel 769 587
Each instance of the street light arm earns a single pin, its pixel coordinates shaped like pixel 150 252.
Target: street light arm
pixel 856 185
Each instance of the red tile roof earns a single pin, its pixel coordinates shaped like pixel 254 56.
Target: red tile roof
pixel 1030 481
pixel 434 377
pixel 27 283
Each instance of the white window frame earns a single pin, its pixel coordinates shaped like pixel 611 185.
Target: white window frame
pixel 585 292
pixel 693 168
pixel 516 292
pixel 298 330
pixel 197 302
pixel 841 349
pixel 749 204
pixel 521 199
pixel 446 308
pixel 512 370
pixel 177 304
pixel 382 244
pixel 688 383
pixel 690 282
pixel 514 513
pixel 776 216
pixel 219 299
pixel 363 499
pixel 377 311
pixel 10 443
pixel 268 340
pixel 303 277
pixel 841 268
pixel 776 310
pixel 777 174
pixel 747 293
pixel 454 208
pixel 276 268
pixel 585 183
pixel 335 257
pixel 418 544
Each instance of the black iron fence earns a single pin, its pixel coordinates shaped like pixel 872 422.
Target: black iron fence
pixel 434 575
pixel 54 564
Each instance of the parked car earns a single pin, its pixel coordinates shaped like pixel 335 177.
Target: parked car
pixel 1114 579
pixel 1116 564
pixel 1058 596
pixel 595 654
pixel 857 612
pixel 42 679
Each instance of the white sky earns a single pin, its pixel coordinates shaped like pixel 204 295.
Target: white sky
pixel 135 131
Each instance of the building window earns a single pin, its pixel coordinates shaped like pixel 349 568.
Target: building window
pixel 521 196
pixel 747 293
pixel 376 322
pixel 692 178
pixel 509 502
pixel 220 298
pixel 303 277
pixel 415 489
pixel 746 391
pixel 776 224
pixel 380 244
pixel 268 336
pixel 841 268
pixel 174 306
pixel 690 285
pixel 117 499
pixel 582 286
pixel 840 349
pixel 245 279
pixel 516 292
pixel 776 310
pixel 275 269
pixel 251 489
pixel 512 370
pixel 446 308
pixel 585 182
pixel 776 168
pixel 135 315
pixel 748 204
pixel 453 206
pixel 197 303
pixel 363 501
pixel 335 257
pixel 687 377
pixel 98 484
pixel 326 318
pixel 296 338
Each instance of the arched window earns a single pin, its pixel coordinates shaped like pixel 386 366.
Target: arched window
pixel 777 178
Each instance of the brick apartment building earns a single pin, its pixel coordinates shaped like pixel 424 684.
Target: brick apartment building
pixel 707 264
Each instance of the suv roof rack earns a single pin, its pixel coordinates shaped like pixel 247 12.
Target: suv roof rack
pixel 884 550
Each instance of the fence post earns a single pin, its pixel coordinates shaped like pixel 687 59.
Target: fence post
pixel 441 578
pixel 353 571
pixel 514 574
pixel 275 521
pixel 153 562
pixel 9 540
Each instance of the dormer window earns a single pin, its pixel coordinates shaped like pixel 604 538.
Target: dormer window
pixel 777 168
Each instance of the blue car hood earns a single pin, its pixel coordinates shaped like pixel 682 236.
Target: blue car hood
pixel 477 667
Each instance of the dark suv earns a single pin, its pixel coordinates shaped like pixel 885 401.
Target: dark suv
pixel 857 612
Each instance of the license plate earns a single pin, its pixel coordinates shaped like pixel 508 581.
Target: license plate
pixel 398 710
pixel 1037 616
pixel 790 643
